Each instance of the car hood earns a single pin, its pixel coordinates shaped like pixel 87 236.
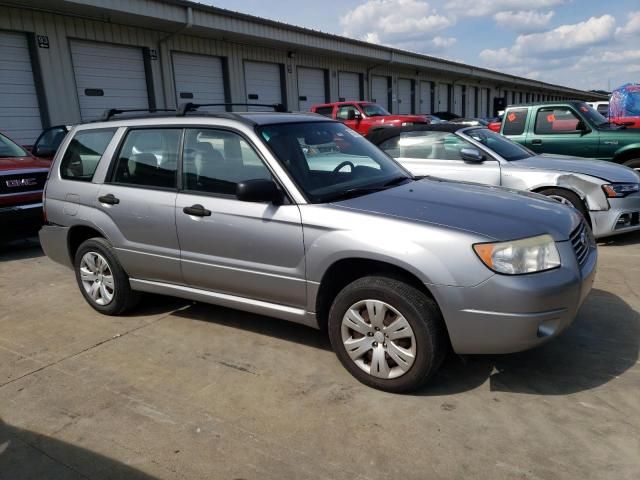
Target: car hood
pixel 494 212
pixel 23 163
pixel 609 171
pixel 400 118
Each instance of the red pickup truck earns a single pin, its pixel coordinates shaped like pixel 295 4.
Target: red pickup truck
pixel 362 116
pixel 22 179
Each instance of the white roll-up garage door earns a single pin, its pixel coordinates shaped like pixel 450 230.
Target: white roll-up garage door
pixel 311 87
pixel 348 86
pixel 198 79
pixel 263 83
pixel 484 101
pixel 443 97
pixel 471 102
pixel 425 97
pixel 19 111
pixel 404 96
pixel 380 90
pixel 108 76
pixel 457 99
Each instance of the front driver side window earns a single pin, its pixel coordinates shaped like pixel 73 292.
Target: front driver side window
pixel 343 112
pixel 215 161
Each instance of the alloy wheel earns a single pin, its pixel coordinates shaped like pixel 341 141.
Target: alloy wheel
pixel 97 278
pixel 561 200
pixel 378 339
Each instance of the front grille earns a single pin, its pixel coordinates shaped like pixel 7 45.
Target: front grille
pixel 22 182
pixel 581 242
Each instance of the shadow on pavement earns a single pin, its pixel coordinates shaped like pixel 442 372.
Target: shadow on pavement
pixel 28 455
pixel 621 240
pixel 20 249
pixel 599 346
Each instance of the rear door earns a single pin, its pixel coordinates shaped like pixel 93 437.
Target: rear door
pixel 139 196
pixel 437 154
pixel 245 249
pixel 555 130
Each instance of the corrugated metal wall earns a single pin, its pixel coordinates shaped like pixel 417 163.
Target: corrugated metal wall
pixel 57 78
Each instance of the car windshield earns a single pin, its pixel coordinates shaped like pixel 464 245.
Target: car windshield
pixel 8 148
pixel 504 147
pixel 329 161
pixel 592 114
pixel 374 110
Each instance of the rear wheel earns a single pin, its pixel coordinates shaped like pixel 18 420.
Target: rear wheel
pixel 102 280
pixel 387 334
pixel 568 198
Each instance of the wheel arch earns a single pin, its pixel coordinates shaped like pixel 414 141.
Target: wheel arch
pixel 625 154
pixel 78 234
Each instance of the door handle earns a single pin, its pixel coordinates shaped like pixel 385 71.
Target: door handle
pixel 536 141
pixel 197 210
pixel 109 199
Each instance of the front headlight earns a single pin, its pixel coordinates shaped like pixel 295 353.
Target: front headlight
pixel 616 190
pixel 516 257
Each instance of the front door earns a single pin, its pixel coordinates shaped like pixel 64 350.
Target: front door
pixel 245 249
pixel 556 130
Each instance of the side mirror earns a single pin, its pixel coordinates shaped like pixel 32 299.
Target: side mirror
pixel 353 115
pixel 582 127
pixel 44 152
pixel 258 191
pixel 472 155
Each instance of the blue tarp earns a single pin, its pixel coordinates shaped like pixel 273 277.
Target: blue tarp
pixel 625 101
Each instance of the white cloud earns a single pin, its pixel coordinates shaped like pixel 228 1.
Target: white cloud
pixel 632 27
pixel 561 41
pixel 388 22
pixel 480 8
pixel 523 20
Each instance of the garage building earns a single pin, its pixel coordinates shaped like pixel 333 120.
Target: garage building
pixel 63 62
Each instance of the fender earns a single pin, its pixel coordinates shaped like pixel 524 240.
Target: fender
pixel 627 152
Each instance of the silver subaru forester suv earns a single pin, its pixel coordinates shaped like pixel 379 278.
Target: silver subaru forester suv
pixel 298 217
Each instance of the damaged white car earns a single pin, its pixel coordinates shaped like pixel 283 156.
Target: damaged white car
pixel 607 194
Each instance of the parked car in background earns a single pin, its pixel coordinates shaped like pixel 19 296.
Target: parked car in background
pixel 433 119
pixel 299 217
pixel 601 107
pixel 606 194
pixel 571 128
pixel 472 122
pixel 362 116
pixel 48 142
pixel 495 123
pixel 448 116
pixel 22 180
pixel 624 106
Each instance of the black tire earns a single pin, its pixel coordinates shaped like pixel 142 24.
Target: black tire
pixel 633 163
pixel 422 314
pixel 124 297
pixel 571 197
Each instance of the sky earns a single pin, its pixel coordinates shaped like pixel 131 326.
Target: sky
pixel 585 44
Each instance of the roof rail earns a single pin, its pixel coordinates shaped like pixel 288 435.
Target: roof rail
pixel 112 112
pixel 184 108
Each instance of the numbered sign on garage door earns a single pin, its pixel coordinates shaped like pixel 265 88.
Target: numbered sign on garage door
pixel 19 112
pixel 348 86
pixel 380 90
pixel 404 96
pixel 198 79
pixel 263 82
pixel 311 87
pixel 108 76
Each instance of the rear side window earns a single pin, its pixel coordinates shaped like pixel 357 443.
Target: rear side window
pixel 514 121
pixel 83 154
pixel 149 158
pixel 326 111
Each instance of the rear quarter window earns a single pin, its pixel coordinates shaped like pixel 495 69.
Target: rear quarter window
pixel 514 121
pixel 326 111
pixel 83 154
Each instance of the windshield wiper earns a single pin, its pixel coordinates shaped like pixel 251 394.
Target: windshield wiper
pixel 395 181
pixel 351 193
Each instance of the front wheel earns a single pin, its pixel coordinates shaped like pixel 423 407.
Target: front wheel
pixel 387 334
pixel 568 198
pixel 633 163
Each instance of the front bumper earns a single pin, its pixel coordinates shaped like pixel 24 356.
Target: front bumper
pixel 20 220
pixel 622 217
pixel 510 313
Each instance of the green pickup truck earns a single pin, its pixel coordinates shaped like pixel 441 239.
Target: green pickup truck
pixel 571 128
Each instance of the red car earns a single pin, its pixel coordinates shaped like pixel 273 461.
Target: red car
pixel 362 116
pixel 22 179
